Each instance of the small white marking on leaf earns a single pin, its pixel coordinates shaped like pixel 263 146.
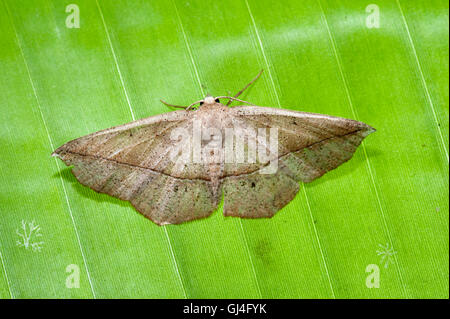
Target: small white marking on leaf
pixel 29 234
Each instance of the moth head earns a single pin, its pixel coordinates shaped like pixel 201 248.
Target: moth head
pixel 209 100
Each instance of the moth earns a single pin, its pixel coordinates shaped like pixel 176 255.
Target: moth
pixel 175 167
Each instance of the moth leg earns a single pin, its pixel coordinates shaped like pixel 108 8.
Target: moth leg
pixel 246 87
pixel 173 105
pixel 230 101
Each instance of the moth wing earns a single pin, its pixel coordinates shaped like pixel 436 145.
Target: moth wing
pixel 309 145
pixel 257 195
pixel 132 162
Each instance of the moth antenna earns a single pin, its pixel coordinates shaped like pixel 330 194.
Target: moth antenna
pixel 172 105
pixel 246 87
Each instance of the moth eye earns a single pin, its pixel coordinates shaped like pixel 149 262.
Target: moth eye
pixel 201 103
pixel 217 100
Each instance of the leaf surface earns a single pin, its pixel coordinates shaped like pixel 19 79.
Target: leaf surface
pixel 319 56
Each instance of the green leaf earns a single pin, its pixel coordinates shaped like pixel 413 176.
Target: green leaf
pixel 59 83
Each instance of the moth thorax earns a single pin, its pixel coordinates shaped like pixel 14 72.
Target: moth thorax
pixel 209 100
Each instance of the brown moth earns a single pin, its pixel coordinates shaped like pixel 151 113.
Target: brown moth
pixel 174 167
